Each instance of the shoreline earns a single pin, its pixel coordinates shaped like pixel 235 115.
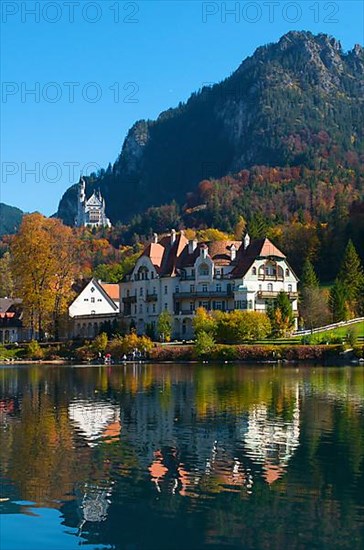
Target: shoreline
pixel 335 361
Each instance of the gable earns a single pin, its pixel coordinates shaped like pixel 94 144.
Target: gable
pixel 92 300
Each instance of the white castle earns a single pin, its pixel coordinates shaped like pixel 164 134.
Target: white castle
pixel 90 212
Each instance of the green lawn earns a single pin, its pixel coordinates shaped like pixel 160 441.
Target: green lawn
pixel 342 331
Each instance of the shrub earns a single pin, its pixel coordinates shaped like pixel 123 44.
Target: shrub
pixel 164 326
pixel 352 337
pixel 85 353
pixel 205 344
pixel 172 353
pixel 100 343
pixel 119 346
pixel 359 352
pixel 204 322
pixel 34 351
pixel 225 353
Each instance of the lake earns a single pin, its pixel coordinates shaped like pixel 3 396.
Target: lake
pixel 190 457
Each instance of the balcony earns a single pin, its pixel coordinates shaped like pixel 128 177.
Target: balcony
pixel 270 278
pixel 152 297
pixel 184 312
pixel 208 295
pixel 129 300
pixel 271 295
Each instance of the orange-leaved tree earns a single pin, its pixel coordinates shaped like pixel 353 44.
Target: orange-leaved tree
pixel 44 256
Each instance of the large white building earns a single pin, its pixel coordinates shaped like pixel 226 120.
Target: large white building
pixel 90 212
pixel 177 275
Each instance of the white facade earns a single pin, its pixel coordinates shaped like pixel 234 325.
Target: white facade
pixel 179 276
pixel 92 307
pixel 90 212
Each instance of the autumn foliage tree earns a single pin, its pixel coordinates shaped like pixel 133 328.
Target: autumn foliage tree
pixel 44 259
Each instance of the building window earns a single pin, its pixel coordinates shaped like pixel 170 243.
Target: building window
pixel 128 293
pixel 192 307
pixel 250 304
pixel 177 289
pixel 254 271
pixel 218 288
pixel 204 288
pixel 165 306
pixel 92 289
pixel 141 292
pixel 140 308
pixel 135 309
pixel 166 289
pixel 92 300
pixel 218 305
pixel 193 272
pixel 260 288
pixel 153 306
pixel 99 299
pixel 93 312
pixel 192 289
pixel 289 288
pixel 287 272
pixel 85 299
pixel 270 287
pixel 203 270
pixel 152 274
pixel 154 291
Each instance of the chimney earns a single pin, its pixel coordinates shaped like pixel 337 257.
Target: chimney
pixel 155 238
pixel 232 252
pixel 192 245
pixel 204 250
pixel 173 236
pixel 246 241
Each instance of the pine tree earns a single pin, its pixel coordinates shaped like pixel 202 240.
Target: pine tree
pixel 351 276
pixel 309 278
pixel 338 302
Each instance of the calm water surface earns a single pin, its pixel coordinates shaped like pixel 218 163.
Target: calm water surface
pixel 181 457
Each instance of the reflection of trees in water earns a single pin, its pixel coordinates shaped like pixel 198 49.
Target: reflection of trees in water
pixel 225 433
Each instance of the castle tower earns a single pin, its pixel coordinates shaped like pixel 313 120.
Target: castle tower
pixel 81 200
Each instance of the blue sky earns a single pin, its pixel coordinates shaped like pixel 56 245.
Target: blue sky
pixel 97 67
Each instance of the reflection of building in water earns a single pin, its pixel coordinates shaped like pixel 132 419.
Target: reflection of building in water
pixel 271 442
pixel 95 420
pixel 95 503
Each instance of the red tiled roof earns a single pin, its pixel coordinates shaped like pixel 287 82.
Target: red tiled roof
pixel 167 256
pixel 259 248
pixel 112 289
pixel 155 252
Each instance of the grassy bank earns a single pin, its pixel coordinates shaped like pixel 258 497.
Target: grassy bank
pixel 252 352
pixel 85 352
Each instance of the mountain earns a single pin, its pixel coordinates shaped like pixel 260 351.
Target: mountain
pixel 298 102
pixel 10 219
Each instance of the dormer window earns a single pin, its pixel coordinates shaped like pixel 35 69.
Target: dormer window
pixel 204 270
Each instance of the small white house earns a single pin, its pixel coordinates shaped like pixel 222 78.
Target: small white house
pixel 97 304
